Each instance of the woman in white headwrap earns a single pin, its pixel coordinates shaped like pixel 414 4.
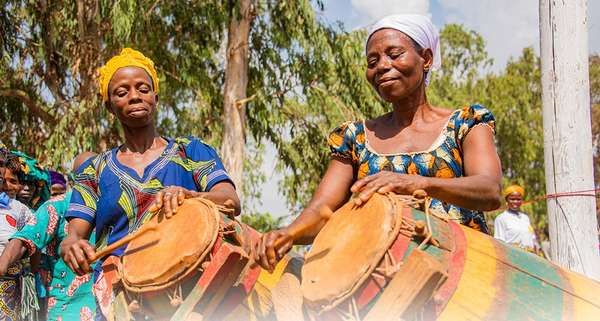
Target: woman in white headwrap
pixel 448 153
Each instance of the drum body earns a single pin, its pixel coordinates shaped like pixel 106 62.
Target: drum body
pixel 486 279
pixel 189 264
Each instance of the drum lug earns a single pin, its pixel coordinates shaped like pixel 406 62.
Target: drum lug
pixel 134 306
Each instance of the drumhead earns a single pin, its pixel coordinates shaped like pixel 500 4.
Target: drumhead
pixel 158 258
pixel 347 250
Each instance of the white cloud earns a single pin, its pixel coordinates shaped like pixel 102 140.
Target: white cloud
pixel 376 9
pixel 508 26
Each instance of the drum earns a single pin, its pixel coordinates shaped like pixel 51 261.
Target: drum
pixel 188 265
pixel 362 267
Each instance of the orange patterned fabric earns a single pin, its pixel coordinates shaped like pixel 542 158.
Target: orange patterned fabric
pixel 443 160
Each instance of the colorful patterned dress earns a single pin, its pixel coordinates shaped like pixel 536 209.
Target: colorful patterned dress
pixel 444 159
pixel 13 217
pixel 69 296
pixel 115 199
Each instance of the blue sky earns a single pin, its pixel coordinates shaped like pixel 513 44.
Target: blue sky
pixel 507 26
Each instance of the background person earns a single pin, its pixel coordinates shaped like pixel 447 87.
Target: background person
pixel 13 217
pixel 513 226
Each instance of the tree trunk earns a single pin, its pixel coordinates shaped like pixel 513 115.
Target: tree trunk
pixel 236 83
pixel 567 135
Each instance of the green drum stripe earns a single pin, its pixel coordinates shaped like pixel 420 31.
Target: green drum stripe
pixel 429 249
pixel 533 286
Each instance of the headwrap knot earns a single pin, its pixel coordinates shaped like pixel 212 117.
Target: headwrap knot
pixel 127 58
pixel 419 28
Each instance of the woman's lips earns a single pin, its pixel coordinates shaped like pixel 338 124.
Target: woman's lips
pixel 137 112
pixel 385 82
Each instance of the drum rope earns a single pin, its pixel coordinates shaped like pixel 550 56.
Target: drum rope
pixel 429 231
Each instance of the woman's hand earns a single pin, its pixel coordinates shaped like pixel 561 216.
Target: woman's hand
pixel 170 198
pixel 3 268
pixel 76 252
pixel 272 247
pixel 384 182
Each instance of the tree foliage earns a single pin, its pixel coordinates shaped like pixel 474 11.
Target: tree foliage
pixel 304 78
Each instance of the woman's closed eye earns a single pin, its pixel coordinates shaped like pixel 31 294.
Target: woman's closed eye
pixel 121 93
pixel 144 89
pixel 372 62
pixel 394 54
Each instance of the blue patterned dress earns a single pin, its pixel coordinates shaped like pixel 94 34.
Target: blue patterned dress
pixel 444 159
pixel 115 199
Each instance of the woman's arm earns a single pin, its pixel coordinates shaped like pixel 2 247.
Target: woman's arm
pixel 332 192
pixel 478 190
pixel 222 193
pixel 75 249
pixel 14 251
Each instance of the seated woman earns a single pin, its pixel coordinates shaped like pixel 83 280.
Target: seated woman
pixel 449 154
pixel 118 190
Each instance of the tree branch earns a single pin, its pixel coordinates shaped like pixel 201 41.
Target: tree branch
pixel 29 103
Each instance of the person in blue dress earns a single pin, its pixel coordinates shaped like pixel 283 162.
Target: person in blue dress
pixel 120 189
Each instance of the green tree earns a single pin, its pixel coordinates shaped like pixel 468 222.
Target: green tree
pixel 262 222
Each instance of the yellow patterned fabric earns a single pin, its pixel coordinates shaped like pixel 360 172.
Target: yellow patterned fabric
pixel 514 189
pixel 127 58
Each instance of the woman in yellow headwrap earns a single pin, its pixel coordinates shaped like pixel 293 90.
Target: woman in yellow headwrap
pixel 116 191
pixel 513 226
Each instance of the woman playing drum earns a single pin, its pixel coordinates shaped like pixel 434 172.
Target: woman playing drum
pixel 118 190
pixel 449 154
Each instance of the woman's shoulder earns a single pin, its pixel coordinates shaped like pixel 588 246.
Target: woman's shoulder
pixel 468 117
pixel 474 112
pixel 195 147
pixel 345 137
pixel 348 131
pixel 350 126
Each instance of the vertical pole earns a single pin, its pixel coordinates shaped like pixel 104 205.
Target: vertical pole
pixel 567 135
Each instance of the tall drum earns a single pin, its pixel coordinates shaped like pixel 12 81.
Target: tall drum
pixel 364 265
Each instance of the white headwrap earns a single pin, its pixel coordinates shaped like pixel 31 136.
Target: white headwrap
pixel 419 28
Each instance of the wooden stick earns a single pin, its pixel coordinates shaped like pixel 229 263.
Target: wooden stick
pixel 107 250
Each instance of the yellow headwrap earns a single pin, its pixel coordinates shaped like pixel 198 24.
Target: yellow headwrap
pixel 514 189
pixel 127 58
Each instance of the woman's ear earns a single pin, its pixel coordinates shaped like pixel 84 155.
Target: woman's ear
pixel 427 56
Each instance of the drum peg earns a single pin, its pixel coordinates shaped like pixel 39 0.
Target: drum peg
pixel 421 228
pixel 419 194
pixel 204 265
pixel 422 231
pixel 175 302
pixel 133 306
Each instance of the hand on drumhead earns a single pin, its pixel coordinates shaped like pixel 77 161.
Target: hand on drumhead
pixel 169 200
pixel 384 182
pixel 271 248
pixel 76 253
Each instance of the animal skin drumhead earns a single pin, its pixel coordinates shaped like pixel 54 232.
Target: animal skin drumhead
pixel 347 250
pixel 174 248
